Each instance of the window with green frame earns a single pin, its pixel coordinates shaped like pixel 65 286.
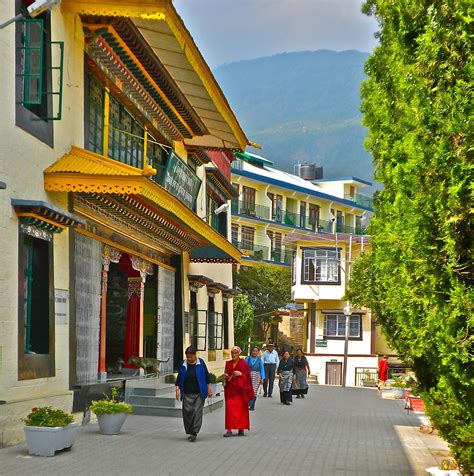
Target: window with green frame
pixel 95 136
pixel 125 136
pixel 35 282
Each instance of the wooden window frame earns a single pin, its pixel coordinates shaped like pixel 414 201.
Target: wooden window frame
pixel 33 366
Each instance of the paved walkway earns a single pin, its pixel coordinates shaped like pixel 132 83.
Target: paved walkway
pixel 333 431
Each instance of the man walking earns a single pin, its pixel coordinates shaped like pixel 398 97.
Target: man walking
pixel 193 387
pixel 270 363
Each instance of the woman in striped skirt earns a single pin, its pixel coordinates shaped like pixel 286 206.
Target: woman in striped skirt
pixel 257 373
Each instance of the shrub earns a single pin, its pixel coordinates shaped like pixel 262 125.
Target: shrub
pixel 110 405
pixel 48 417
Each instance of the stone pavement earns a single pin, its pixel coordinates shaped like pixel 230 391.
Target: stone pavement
pixel 334 431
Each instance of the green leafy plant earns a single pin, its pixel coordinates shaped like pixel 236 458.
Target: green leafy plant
pixel 417 279
pixel 48 417
pixel 399 382
pixel 110 405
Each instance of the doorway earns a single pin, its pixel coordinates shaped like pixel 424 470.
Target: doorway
pixel 333 373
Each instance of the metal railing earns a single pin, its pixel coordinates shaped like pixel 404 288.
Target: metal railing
pixel 255 251
pixel 362 200
pixel 240 207
pixel 367 375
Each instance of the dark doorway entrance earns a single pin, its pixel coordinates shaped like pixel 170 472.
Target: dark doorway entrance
pixel 117 303
pixel 333 373
pixel 150 329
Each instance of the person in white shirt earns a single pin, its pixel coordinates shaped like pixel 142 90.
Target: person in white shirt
pixel 270 363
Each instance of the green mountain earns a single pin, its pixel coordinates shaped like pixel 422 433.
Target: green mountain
pixel 302 106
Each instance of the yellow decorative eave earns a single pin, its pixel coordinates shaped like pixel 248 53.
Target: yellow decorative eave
pixel 87 172
pixel 145 14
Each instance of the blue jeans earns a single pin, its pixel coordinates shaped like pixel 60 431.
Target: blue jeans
pixel 252 403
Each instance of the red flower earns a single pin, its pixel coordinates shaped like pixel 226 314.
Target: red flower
pixel 34 409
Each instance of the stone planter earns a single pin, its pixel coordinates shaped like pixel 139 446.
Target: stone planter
pixel 111 423
pixel 369 383
pixel 442 472
pixel 216 388
pixel 397 392
pixel 45 441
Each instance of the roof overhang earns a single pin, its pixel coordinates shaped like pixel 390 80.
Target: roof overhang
pixel 84 172
pixel 248 157
pixel 168 39
pixel 221 182
pixel 44 215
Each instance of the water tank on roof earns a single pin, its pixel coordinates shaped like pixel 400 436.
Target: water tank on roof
pixel 308 171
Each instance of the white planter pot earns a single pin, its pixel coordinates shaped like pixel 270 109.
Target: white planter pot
pixel 216 388
pixel 110 424
pixel 397 392
pixel 442 472
pixel 45 441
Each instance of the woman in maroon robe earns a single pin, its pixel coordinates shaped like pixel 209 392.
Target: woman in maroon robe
pixel 383 371
pixel 238 392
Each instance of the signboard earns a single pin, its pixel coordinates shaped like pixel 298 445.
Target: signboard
pixel 181 181
pixel 321 343
pixel 61 297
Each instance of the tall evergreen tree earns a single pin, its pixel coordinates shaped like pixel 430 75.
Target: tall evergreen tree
pixel 417 103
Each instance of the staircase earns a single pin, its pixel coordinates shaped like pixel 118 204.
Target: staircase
pixel 159 399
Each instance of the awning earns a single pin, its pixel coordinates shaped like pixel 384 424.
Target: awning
pixel 248 157
pixel 215 176
pixel 120 187
pixel 44 215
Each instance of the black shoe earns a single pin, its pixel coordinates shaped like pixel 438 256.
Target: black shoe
pixel 192 438
pixel 269 396
pixel 241 433
pixel 227 434
pixel 302 396
pixel 298 396
pixel 264 395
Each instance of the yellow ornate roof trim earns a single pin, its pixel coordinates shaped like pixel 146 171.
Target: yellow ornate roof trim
pixel 165 11
pixel 87 172
pixel 85 162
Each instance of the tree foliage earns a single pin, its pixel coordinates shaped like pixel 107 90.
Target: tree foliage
pixel 416 104
pixel 268 288
pixel 243 319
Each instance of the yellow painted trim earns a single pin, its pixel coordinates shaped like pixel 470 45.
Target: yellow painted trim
pixel 123 248
pixel 164 10
pixel 132 182
pixel 39 217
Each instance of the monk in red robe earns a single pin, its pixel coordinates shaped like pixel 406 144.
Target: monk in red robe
pixel 383 371
pixel 238 392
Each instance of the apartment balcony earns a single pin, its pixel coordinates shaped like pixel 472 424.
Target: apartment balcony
pixel 251 250
pixel 249 209
pixel 361 200
pixel 282 256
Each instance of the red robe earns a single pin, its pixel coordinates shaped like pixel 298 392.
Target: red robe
pixel 238 392
pixel 383 370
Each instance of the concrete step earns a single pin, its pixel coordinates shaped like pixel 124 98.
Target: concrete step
pixel 174 412
pixel 154 401
pixel 152 392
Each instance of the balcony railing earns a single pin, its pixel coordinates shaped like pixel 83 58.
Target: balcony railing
pixel 249 209
pixel 282 256
pixel 362 200
pixel 249 249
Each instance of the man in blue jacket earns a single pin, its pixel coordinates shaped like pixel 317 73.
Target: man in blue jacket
pixel 193 387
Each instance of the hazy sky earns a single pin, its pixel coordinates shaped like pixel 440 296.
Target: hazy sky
pixel 231 30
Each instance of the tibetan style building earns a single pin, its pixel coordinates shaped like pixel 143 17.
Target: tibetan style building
pixel 116 147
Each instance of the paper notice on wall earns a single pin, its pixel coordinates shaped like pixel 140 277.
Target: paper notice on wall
pixel 61 305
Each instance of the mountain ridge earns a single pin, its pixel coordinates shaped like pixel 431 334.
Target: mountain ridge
pixel 302 106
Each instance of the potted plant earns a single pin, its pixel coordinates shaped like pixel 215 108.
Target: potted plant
pixel 48 430
pixel 368 380
pixel 216 384
pixel 398 386
pixel 111 413
pixel 448 467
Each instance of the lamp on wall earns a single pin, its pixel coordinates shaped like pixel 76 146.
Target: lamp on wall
pixel 32 11
pixel 217 211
